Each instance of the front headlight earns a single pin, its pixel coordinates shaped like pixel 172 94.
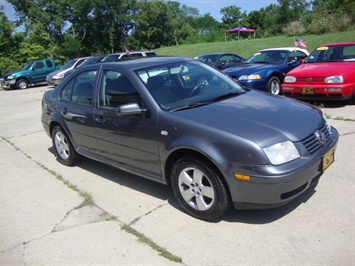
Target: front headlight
pixel 58 76
pixel 280 153
pixel 334 79
pixel 329 127
pixel 290 79
pixel 10 77
pixel 249 77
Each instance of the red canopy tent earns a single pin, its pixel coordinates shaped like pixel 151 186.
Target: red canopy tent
pixel 239 29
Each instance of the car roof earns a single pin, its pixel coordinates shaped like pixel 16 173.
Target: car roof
pixel 143 62
pixel 290 49
pixel 215 53
pixel 338 44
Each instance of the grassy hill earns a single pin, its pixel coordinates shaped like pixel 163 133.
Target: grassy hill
pixel 248 47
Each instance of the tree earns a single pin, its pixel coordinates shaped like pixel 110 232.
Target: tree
pixel 232 15
pixel 6 29
pixel 153 25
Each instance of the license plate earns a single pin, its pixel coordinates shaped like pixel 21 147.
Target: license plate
pixel 307 91
pixel 328 159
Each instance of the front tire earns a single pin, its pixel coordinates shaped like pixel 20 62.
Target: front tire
pixel 199 189
pixel 274 86
pixel 64 150
pixel 21 84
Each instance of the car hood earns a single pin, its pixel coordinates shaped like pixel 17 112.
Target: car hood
pixel 322 69
pixel 248 69
pixel 15 72
pixel 58 71
pixel 262 118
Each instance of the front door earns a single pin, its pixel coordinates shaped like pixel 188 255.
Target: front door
pixel 126 141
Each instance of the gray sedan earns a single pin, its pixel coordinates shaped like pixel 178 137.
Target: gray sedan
pixel 214 143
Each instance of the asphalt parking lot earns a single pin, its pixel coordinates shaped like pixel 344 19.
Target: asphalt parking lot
pixel 95 214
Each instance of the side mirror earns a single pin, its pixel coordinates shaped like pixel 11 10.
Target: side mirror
pixel 130 109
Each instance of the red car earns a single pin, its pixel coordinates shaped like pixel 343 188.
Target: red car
pixel 328 73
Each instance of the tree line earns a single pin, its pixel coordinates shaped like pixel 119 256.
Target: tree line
pixel 65 29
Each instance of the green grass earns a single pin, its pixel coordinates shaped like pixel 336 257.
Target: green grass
pixel 143 239
pixel 248 47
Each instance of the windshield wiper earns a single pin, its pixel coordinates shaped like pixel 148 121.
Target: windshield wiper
pixel 227 95
pixel 190 106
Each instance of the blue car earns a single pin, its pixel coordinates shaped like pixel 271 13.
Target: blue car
pixel 266 69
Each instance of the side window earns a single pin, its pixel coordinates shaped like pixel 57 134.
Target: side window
pixel 39 65
pixel 237 59
pixel 49 63
pixel 227 60
pixel 65 94
pixel 83 88
pixel 116 89
pixel 295 56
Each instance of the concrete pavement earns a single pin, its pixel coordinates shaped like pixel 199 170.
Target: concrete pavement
pixel 95 214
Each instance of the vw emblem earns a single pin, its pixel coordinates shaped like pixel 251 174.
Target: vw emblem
pixel 320 137
pixel 309 79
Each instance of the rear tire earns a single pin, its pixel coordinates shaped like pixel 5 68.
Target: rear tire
pixel 199 188
pixel 63 147
pixel 274 86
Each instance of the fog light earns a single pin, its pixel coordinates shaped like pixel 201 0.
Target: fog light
pixel 332 89
pixel 242 177
pixel 287 88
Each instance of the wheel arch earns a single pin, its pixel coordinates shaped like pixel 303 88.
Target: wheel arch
pixel 277 74
pixel 25 78
pixel 202 158
pixel 55 123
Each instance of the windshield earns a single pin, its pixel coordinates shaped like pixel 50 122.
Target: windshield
pixel 332 54
pixel 28 66
pixel 69 64
pixel 267 57
pixel 188 84
pixel 208 59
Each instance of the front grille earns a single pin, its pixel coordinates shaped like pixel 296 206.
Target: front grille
pixel 312 143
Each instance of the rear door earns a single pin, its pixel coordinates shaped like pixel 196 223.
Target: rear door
pixel 77 107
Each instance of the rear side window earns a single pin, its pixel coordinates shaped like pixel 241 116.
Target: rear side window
pixel 49 63
pixel 80 89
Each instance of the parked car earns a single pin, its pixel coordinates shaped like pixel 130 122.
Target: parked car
pixel 55 77
pixel 128 55
pixel 266 69
pixel 214 144
pixel 91 60
pixel 33 73
pixel 221 60
pixel 327 74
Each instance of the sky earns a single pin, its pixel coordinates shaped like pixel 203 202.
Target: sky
pixel 204 6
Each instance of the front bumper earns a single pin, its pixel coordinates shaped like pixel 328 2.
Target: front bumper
pixel 276 186
pixel 258 84
pixel 53 82
pixel 7 84
pixel 319 91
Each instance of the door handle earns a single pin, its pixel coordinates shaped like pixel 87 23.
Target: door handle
pixel 99 119
pixel 64 111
